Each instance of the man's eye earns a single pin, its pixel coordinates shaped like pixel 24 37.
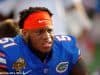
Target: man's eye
pixel 39 31
pixel 50 30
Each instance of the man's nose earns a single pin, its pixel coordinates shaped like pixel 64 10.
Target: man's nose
pixel 46 35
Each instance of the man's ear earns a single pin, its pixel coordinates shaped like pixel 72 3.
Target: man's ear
pixel 24 32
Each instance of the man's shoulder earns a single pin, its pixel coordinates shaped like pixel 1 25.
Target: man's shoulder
pixel 7 43
pixel 10 46
pixel 66 43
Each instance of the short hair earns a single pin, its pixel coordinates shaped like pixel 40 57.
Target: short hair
pixel 26 12
pixel 8 28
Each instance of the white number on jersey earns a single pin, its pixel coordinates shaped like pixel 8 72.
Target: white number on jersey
pixel 63 38
pixel 6 42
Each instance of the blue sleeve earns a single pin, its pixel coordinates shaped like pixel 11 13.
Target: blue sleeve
pixel 5 44
pixel 69 44
pixel 98 6
pixel 3 60
pixel 74 50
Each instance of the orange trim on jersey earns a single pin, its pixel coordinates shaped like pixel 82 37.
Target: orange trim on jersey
pixel 37 20
pixel 2 55
pixel 3 66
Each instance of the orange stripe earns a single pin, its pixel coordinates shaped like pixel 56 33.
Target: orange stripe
pixel 2 55
pixel 3 66
pixel 37 20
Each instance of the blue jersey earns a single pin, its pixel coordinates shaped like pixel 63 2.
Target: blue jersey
pixel 17 58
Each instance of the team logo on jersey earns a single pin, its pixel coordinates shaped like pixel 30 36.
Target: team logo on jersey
pixel 62 67
pixel 19 64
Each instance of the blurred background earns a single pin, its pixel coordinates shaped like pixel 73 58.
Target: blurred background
pixel 80 18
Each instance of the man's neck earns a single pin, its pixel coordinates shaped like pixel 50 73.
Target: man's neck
pixel 42 56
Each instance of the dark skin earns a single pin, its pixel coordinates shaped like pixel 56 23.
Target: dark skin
pixel 39 40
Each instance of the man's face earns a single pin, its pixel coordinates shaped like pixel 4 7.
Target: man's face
pixel 40 39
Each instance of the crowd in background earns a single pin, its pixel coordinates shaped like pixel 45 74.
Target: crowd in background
pixel 80 18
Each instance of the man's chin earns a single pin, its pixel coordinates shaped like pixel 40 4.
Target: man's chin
pixel 46 50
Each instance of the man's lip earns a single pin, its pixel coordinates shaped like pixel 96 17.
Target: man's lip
pixel 47 44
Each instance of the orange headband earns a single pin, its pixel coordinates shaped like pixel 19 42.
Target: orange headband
pixel 37 20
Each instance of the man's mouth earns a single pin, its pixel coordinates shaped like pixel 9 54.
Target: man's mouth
pixel 47 44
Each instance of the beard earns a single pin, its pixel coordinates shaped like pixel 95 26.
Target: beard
pixel 37 52
pixel 30 44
